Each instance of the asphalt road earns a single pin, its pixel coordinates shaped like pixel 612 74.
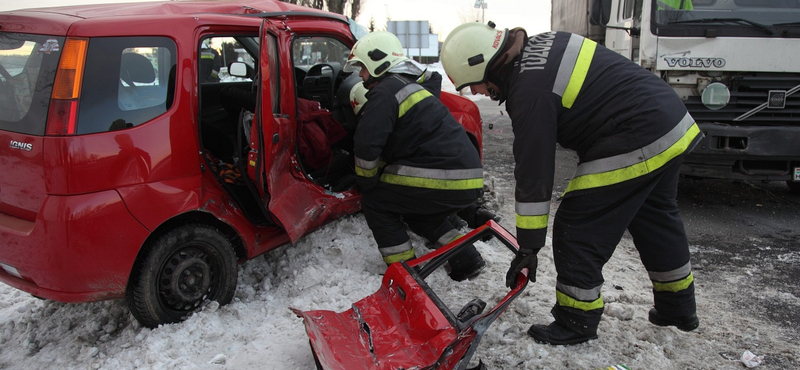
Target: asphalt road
pixel 742 232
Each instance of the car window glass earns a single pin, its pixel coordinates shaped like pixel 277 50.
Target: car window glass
pixel 216 56
pixel 27 71
pixel 127 82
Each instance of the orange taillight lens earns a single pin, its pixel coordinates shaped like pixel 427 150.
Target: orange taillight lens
pixel 62 116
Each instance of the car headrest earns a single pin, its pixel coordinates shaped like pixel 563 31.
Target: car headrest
pixel 136 68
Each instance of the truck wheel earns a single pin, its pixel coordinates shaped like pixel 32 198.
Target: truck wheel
pixel 185 267
pixel 794 187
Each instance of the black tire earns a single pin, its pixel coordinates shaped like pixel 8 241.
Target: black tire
pixel 794 187
pixel 203 261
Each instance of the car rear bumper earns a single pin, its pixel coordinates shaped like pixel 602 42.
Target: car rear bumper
pixel 80 248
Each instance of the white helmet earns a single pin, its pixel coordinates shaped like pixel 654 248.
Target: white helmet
pixel 358 96
pixel 469 50
pixel 378 51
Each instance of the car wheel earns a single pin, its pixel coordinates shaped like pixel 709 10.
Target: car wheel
pixel 794 187
pixel 184 268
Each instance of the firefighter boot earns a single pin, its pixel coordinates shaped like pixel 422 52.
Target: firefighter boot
pixel 557 334
pixel 467 264
pixel 685 323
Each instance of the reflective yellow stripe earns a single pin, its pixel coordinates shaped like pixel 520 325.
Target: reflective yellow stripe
pixel 407 255
pixel 363 172
pixel 639 169
pixel 675 286
pixel 532 222
pixel 419 182
pixel 411 100
pixel 567 301
pixel 579 73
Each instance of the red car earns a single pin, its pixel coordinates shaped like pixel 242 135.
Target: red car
pixel 146 148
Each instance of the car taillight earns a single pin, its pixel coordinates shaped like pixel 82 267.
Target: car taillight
pixel 62 116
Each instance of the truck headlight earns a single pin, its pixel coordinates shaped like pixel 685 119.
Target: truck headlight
pixel 716 96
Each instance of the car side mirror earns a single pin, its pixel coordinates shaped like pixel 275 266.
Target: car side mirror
pixel 238 69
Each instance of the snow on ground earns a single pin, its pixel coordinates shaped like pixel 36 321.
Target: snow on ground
pixel 337 265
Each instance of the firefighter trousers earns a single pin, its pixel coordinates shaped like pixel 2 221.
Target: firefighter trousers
pixel 388 211
pixel 587 229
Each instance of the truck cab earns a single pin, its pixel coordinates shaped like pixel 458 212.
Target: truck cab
pixel 732 63
pixel 149 147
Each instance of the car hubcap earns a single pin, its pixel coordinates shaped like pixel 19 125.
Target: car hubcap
pixel 185 280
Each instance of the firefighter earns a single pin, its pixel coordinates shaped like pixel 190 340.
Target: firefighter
pixel 473 215
pixel 630 131
pixel 414 163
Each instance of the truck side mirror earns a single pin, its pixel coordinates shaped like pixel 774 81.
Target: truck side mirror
pixel 600 12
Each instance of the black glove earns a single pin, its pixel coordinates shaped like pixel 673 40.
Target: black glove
pixel 365 184
pixel 521 261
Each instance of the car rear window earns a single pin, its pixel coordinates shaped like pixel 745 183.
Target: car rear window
pixel 27 71
pixel 127 81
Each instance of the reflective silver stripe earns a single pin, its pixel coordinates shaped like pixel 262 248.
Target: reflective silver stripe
pixel 447 238
pixel 667 276
pixel 429 173
pixel 580 294
pixel 396 249
pixel 639 155
pixel 425 76
pixel 567 64
pixel 367 165
pixel 406 91
pixel 532 208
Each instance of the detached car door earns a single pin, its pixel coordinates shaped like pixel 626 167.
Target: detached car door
pixel 297 203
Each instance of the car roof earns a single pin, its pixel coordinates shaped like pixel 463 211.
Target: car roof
pixel 60 19
pixel 245 7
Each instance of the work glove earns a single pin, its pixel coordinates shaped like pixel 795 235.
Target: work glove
pixel 365 184
pixel 521 261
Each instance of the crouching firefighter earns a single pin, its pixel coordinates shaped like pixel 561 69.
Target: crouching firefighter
pixel 415 164
pixel 630 131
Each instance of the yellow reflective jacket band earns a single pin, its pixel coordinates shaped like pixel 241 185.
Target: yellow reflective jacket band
pixel 532 222
pixel 363 172
pixel 573 68
pixel 675 286
pixel 365 168
pixel 532 215
pixel 614 170
pixel 567 301
pixel 431 178
pixel 411 99
pixel 579 73
pixel 419 182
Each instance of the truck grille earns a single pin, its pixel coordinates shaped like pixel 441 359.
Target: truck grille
pixel 748 91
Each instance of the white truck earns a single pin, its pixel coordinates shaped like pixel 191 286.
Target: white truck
pixel 733 62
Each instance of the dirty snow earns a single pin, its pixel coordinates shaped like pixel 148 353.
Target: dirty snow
pixel 338 265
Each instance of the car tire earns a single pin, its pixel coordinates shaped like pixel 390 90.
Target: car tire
pixel 183 268
pixel 794 187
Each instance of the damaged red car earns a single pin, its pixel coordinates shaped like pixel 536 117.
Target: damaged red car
pixel 147 148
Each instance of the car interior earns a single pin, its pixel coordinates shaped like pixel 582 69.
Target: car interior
pixel 325 121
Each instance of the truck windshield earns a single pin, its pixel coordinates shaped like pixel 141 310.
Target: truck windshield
pixel 713 18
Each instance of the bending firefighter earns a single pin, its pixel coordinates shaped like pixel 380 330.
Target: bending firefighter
pixel 630 131
pixel 415 164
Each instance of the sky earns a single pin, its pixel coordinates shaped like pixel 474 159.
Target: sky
pixel 443 15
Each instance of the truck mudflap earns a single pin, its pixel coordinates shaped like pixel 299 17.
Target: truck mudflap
pixel 405 325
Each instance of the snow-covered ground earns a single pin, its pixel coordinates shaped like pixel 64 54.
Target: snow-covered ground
pixel 337 265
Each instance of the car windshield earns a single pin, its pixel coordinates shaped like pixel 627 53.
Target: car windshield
pixel 730 17
pixel 358 30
